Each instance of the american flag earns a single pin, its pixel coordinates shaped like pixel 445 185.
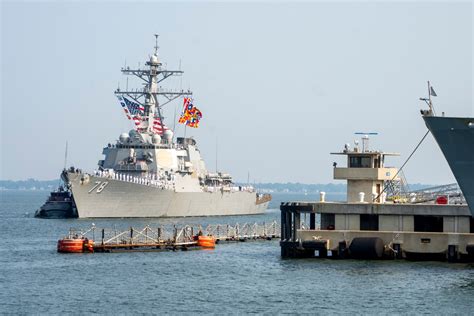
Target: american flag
pixel 127 113
pixel 132 107
pixel 158 127
pixel 137 120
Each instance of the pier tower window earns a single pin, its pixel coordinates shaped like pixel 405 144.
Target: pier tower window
pixel 360 162
pixel 369 222
pixel 471 225
pixel 428 223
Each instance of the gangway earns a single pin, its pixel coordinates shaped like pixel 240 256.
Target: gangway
pixel 426 195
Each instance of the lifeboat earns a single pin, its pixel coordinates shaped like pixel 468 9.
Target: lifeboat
pixel 75 245
pixel 206 242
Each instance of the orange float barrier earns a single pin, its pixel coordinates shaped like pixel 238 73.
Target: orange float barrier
pixel 206 242
pixel 75 245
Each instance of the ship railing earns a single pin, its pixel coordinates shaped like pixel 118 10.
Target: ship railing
pixel 228 189
pixel 163 183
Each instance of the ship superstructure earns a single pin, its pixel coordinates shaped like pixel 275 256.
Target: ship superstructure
pixel 147 173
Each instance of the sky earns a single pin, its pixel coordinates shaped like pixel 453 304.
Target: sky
pixel 281 85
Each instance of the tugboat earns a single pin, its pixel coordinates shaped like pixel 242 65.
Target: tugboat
pixel 60 204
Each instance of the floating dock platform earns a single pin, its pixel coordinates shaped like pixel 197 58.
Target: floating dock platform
pixel 148 238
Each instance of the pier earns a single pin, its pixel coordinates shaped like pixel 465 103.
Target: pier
pixel 377 231
pixel 420 226
pixel 186 237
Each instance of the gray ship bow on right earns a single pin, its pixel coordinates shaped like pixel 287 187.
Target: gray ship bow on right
pixel 455 137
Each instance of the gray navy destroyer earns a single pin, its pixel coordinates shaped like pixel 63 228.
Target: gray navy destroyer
pixel 455 137
pixel 147 173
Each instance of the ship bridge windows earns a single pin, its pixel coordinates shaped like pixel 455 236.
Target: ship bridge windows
pixel 360 162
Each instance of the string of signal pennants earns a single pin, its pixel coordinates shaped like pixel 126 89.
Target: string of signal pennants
pixel 191 115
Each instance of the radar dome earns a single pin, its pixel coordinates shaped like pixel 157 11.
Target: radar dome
pixel 124 138
pixel 156 139
pixel 168 135
pixel 132 133
pixel 154 60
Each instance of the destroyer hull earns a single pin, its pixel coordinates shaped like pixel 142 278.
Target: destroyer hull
pixel 127 199
pixel 455 137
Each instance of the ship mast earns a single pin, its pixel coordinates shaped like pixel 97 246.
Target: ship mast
pixel 428 101
pixel 148 96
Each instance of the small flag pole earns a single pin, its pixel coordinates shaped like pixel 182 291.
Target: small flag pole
pixel 65 163
pixel 65 157
pixel 429 98
pixel 174 122
pixel 216 153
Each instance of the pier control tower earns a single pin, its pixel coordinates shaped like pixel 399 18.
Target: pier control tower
pixel 365 173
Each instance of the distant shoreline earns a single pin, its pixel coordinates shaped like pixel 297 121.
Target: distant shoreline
pixel 283 188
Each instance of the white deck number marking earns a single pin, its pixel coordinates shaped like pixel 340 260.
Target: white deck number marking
pixel 95 186
pixel 100 185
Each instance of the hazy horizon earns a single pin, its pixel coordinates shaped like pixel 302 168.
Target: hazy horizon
pixel 280 85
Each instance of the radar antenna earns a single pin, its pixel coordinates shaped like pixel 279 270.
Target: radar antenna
pixel 147 97
pixel 156 44
pixel 365 139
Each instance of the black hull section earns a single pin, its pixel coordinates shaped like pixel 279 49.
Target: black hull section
pixel 56 210
pixel 455 137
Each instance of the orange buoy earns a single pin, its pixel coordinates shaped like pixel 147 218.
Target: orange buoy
pixel 206 242
pixel 75 245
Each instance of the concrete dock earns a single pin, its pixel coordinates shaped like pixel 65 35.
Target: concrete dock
pixel 411 231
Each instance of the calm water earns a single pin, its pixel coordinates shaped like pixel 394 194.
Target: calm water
pixel 234 278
